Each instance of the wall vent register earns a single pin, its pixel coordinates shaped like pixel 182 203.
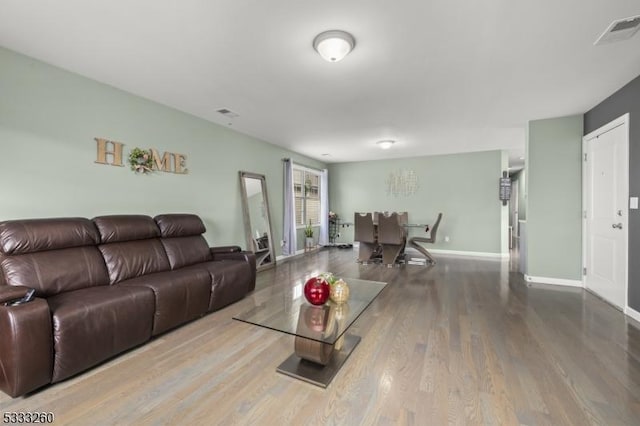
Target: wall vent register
pixel 621 29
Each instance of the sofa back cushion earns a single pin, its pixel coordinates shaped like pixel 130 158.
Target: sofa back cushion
pixel 51 255
pixel 34 235
pixel 182 239
pixel 119 228
pixel 130 246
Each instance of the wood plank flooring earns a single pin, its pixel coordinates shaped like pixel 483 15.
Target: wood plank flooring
pixel 463 342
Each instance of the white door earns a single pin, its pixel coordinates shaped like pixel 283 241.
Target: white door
pixel 606 210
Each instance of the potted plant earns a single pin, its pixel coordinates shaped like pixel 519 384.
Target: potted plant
pixel 308 233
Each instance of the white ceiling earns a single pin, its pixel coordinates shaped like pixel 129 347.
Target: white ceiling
pixel 438 76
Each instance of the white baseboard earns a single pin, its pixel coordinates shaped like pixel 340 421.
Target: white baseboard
pixel 284 258
pixel 356 244
pixel 553 281
pixel 632 313
pixel 463 253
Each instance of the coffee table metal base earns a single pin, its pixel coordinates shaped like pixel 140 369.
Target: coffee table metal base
pixel 316 374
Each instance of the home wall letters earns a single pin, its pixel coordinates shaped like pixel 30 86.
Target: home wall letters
pixel 110 153
pixel 111 149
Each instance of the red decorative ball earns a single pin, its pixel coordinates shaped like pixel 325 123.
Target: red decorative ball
pixel 317 290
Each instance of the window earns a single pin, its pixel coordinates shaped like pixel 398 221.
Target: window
pixel 306 188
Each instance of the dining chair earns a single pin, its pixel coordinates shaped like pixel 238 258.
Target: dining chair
pixel 403 220
pixel 375 217
pixel 391 236
pixel 431 239
pixel 365 235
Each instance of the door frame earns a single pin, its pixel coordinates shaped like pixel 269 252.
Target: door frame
pixel 515 195
pixel 623 120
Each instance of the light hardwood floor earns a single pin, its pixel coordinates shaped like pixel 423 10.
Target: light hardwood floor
pixel 463 342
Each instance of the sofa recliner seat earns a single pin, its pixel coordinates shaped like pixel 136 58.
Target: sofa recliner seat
pixel 104 286
pixel 180 296
pixel 186 248
pixel 94 324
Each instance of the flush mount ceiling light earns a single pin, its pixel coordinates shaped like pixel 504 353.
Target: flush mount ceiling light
pixel 334 45
pixel 386 144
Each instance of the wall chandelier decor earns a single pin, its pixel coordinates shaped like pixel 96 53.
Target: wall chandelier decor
pixel 402 182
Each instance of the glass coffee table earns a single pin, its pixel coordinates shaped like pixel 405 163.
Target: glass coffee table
pixel 322 344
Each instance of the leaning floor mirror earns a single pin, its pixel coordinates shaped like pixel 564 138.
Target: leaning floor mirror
pixel 257 219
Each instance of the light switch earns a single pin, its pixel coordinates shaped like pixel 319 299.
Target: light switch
pixel 633 203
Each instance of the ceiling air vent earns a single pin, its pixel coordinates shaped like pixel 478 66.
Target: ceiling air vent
pixel 228 113
pixel 619 30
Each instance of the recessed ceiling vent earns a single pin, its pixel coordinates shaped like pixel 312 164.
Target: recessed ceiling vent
pixel 619 30
pixel 228 113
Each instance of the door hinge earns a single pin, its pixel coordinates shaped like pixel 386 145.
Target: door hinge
pixel 584 214
pixel 585 156
pixel 584 271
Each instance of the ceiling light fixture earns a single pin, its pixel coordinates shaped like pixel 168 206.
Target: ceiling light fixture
pixel 334 45
pixel 386 144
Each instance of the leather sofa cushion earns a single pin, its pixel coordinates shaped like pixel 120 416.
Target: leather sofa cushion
pixel 118 228
pixel 185 251
pixel 180 296
pixel 56 271
pixel 179 225
pixel 94 324
pixel 133 259
pixel 230 281
pixel 34 235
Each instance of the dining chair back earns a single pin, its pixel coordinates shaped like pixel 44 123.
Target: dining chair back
pixel 365 235
pixel 391 236
pixel 403 218
pixel 431 239
pixel 434 230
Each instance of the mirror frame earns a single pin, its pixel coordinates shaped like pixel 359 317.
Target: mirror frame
pixel 247 218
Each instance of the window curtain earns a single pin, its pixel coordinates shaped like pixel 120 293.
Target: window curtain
pixel 289 237
pixel 324 208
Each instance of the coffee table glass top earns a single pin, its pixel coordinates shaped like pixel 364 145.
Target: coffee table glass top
pixel 289 312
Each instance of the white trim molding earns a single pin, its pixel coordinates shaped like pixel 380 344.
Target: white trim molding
pixel 465 253
pixel 553 281
pixel 284 258
pixel 630 312
pixel 412 250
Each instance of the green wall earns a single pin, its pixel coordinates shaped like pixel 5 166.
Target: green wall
pixel 554 198
pixel 49 119
pixel 522 195
pixel 464 187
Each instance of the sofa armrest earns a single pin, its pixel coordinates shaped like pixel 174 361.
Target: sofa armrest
pixel 224 249
pixel 26 346
pixel 12 292
pixel 246 256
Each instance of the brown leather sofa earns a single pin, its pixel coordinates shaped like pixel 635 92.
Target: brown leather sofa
pixel 103 286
